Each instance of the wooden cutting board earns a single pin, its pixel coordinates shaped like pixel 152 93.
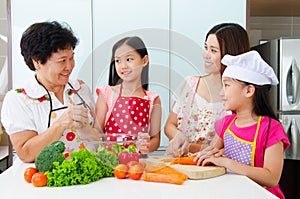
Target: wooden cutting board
pixel 192 171
pixel 199 172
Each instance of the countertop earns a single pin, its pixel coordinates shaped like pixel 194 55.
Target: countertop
pixel 13 185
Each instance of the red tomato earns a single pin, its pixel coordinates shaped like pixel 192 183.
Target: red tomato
pixel 29 172
pixel 135 172
pixel 39 179
pixel 126 157
pixel 70 136
pixel 120 171
pixel 131 163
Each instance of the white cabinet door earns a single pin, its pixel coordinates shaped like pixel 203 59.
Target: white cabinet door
pixel 115 19
pixel 76 13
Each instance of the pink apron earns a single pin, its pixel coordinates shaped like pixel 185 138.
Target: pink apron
pixel 129 116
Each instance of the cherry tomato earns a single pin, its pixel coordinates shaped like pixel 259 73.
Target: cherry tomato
pixel 126 157
pixel 134 156
pixel 39 179
pixel 29 172
pixel 120 171
pixel 135 172
pixel 70 136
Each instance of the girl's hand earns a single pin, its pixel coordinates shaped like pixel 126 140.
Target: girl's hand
pixel 143 143
pixel 206 153
pixel 218 161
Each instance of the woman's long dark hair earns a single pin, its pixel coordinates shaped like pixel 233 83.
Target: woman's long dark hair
pixel 233 39
pixel 139 46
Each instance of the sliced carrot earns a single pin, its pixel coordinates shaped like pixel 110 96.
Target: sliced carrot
pixel 185 160
pixel 164 169
pixel 154 168
pixel 164 178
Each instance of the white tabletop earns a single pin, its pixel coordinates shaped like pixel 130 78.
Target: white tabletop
pixel 13 185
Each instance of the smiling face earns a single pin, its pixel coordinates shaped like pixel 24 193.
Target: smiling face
pixel 57 69
pixel 129 64
pixel 212 55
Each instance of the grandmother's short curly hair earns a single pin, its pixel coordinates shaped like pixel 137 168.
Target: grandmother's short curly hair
pixel 40 40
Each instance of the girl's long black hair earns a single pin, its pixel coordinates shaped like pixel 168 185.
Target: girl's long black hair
pixel 139 46
pixel 262 103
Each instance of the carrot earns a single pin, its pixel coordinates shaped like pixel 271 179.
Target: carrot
pixel 154 168
pixel 164 178
pixel 185 160
pixel 169 170
pixel 164 169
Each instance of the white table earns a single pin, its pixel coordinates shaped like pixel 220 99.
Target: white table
pixel 13 185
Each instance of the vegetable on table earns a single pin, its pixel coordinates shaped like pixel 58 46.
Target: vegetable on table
pixel 29 172
pixel 164 178
pixel 50 154
pixel 126 157
pixel 135 171
pixel 185 160
pixel 39 179
pixel 108 158
pixel 83 168
pixel 121 171
pixel 164 169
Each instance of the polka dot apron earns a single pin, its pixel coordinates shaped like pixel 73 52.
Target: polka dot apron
pixel 239 149
pixel 129 116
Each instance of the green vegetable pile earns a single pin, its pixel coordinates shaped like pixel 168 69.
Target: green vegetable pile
pixel 82 168
pixel 108 158
pixel 50 154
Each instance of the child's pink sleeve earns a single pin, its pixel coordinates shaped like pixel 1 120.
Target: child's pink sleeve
pixel 222 124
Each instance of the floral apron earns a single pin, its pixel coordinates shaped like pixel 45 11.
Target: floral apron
pixel 129 116
pixel 70 137
pixel 238 149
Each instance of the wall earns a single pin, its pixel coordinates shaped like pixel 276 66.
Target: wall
pixel 264 28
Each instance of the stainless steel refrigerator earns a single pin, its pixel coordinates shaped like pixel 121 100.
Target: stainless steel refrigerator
pixel 283 55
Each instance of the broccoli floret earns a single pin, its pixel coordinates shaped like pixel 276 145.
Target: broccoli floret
pixel 52 153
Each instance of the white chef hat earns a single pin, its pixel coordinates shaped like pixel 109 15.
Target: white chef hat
pixel 249 67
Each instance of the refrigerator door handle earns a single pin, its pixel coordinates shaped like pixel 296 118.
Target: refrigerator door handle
pixel 293 83
pixel 295 139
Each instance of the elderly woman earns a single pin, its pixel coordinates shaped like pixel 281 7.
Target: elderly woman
pixel 50 106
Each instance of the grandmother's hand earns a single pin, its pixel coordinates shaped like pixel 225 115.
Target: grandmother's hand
pixel 75 117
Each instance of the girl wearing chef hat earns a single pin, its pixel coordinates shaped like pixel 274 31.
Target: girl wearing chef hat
pixel 253 139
